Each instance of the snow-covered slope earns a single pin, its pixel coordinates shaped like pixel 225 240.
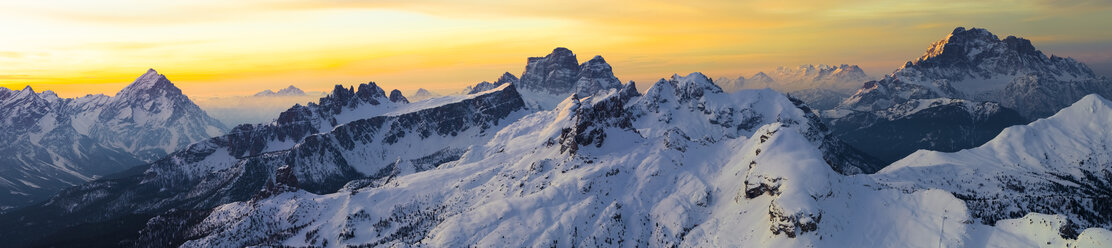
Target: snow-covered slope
pixel 352 137
pixel 1058 165
pixel 683 165
pixel 51 142
pixel 974 64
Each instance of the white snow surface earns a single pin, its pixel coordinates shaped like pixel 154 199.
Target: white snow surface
pixel 670 180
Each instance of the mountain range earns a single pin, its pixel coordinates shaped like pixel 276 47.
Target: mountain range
pixel 52 143
pixel 975 64
pixel 820 86
pixel 288 91
pixel 567 155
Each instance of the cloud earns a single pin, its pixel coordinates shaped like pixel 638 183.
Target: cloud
pixel 135 45
pixel 15 77
pixel 7 54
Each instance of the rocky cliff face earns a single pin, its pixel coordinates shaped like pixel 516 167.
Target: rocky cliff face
pixel 548 80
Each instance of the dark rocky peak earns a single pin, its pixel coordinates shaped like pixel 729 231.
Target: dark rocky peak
pixel 628 91
pixel 370 93
pixel 595 75
pixel 506 78
pixel 596 68
pixel 296 114
pixel 396 96
pixel 592 115
pixel 1021 45
pixel 339 98
pixel 553 73
pixel 285 180
pixel 974 46
pixel 482 86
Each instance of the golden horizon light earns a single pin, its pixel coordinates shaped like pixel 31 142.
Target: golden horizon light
pixel 218 48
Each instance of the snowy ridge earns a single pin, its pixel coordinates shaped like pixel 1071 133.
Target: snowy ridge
pixel 629 181
pixel 240 165
pixel 1057 165
pixel 918 105
pixel 53 142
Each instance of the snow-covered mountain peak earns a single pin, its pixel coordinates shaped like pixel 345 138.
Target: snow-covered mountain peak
pixel 1090 106
pixel 1051 166
pixel 976 65
pixel 148 82
pixel 288 91
pixel 960 41
pixel 695 84
pixel 26 93
pixel 978 54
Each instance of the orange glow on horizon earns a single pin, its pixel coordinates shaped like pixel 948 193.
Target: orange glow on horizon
pixel 213 48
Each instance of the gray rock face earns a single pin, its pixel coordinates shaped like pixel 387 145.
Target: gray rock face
pixel 396 96
pixel 554 73
pixel 558 75
pixel 52 143
pixel 974 64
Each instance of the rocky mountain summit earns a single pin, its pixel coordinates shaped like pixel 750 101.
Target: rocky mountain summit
pixel 52 143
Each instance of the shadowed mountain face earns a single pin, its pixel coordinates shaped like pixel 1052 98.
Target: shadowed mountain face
pixel 53 143
pixel 964 90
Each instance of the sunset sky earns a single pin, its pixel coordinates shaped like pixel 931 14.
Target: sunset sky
pixel 218 48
